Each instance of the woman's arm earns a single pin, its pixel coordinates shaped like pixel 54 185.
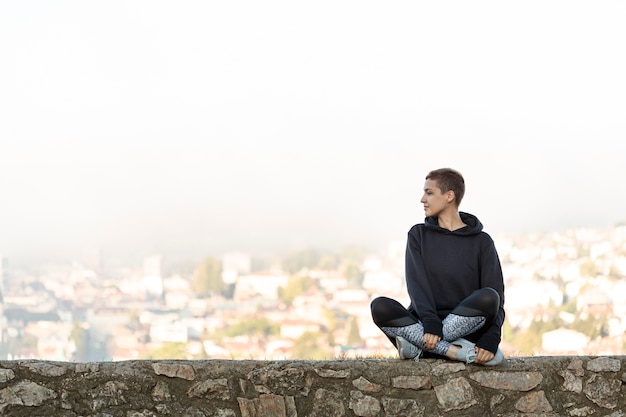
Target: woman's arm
pixel 418 287
pixel 491 276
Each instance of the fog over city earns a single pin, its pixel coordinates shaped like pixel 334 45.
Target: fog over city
pixel 198 127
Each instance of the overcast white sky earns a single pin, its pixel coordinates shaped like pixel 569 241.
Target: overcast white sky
pixel 219 125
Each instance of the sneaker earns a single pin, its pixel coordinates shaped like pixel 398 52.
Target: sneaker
pixel 467 353
pixel 407 350
pixel 497 359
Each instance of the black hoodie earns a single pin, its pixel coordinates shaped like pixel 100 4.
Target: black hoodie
pixel 444 267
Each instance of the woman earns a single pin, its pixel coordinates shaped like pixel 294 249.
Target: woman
pixel 454 281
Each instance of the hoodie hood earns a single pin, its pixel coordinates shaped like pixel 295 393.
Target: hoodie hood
pixel 474 226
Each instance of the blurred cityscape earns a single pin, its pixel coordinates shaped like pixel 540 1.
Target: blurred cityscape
pixel 565 294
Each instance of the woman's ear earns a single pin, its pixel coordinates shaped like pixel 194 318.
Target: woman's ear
pixel 450 196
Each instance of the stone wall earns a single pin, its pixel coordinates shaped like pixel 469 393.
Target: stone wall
pixel 530 387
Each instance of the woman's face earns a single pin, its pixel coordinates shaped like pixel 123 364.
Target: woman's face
pixel 434 200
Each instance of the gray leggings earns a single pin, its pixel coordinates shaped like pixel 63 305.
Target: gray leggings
pixel 468 317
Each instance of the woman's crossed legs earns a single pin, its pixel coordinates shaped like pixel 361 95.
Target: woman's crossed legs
pixel 469 316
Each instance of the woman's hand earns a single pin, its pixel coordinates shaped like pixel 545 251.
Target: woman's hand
pixel 430 340
pixel 482 355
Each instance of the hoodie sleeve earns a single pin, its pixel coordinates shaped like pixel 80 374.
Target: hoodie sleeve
pixel 418 287
pixel 491 276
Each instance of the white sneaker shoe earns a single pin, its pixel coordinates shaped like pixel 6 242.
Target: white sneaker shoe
pixel 407 350
pixel 467 353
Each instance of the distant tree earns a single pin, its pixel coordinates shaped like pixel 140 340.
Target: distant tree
pixel 508 331
pixel 259 264
pixel 615 272
pixel 296 261
pixel 80 336
pixel 589 269
pixel 354 335
pixel 570 306
pixel 295 287
pixel 592 327
pixel 207 278
pixel 328 263
pixel 169 350
pixel 15 345
pixel 308 347
pixel 353 274
pixel 353 253
pixel 330 318
pixel 582 249
pixel 259 326
pixel 529 341
pixel 331 338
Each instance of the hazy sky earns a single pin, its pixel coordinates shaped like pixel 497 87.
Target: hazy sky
pixel 219 125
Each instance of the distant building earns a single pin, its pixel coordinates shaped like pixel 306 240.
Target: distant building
pixel 524 294
pixel 564 342
pixel 3 273
pixel 3 319
pixel 382 281
pixel 168 333
pixel 619 235
pixel 618 296
pixel 595 299
pixel 620 264
pixel 260 285
pixel 152 277
pixel 293 329
pixel 235 264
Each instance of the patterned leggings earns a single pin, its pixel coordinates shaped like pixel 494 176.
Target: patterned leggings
pixel 469 316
